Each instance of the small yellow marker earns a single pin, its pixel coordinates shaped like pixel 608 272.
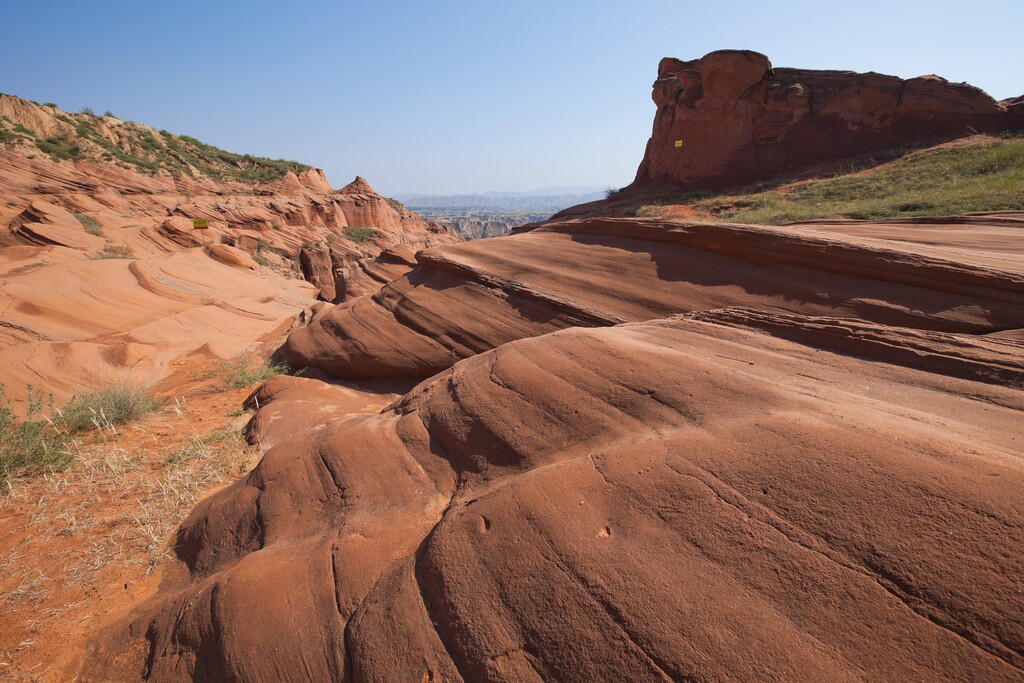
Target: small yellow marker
pixel 679 143
pixel 200 224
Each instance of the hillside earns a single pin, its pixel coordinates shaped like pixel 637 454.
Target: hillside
pixel 976 173
pixel 29 129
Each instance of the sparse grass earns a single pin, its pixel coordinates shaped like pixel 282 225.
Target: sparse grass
pixel 90 224
pixel 105 408
pixel 219 449
pixel 30 446
pixel 395 204
pixel 122 251
pixel 243 371
pixel 359 234
pixel 26 268
pixel 982 175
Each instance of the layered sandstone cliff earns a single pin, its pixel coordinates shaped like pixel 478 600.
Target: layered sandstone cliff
pixel 102 271
pixel 730 118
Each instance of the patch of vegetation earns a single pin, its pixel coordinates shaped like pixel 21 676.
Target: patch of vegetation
pixel 103 408
pixel 986 175
pixel 330 238
pixel 59 149
pixel 395 204
pixel 243 371
pixel 90 224
pixel 7 137
pixel 224 449
pixel 18 128
pixel 359 234
pixel 138 148
pixel 30 446
pixel 112 251
pixel 223 165
pixel 26 268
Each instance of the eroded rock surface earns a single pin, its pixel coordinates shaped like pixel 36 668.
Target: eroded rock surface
pixel 678 499
pixel 464 299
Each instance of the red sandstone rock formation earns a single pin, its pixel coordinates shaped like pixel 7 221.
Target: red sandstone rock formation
pixel 687 498
pixel 729 118
pixel 467 298
pixel 74 318
pixel 783 454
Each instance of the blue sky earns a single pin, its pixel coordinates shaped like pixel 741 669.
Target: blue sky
pixel 452 97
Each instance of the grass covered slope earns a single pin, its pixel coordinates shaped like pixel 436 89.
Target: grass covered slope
pixel 33 129
pixel 980 173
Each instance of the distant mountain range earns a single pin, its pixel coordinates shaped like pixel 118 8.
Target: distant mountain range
pixel 550 199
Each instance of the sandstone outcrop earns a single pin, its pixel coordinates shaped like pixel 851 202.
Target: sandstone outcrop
pixel 464 299
pixel 730 118
pixel 676 499
pixel 368 275
pixel 318 268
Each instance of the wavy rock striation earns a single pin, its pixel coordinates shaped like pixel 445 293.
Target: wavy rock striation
pixel 468 298
pixel 677 499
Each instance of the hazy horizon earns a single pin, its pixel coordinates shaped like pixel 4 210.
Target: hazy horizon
pixel 459 98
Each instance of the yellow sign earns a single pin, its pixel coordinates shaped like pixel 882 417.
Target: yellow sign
pixel 200 224
pixel 679 143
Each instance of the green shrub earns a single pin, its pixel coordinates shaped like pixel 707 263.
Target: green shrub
pixel 242 371
pixel 60 149
pixel 104 408
pixel 32 445
pixel 90 224
pixel 359 234
pixel 122 251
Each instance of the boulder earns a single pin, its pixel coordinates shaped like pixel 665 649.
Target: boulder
pixel 232 256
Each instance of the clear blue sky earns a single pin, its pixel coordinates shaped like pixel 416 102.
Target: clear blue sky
pixel 452 97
